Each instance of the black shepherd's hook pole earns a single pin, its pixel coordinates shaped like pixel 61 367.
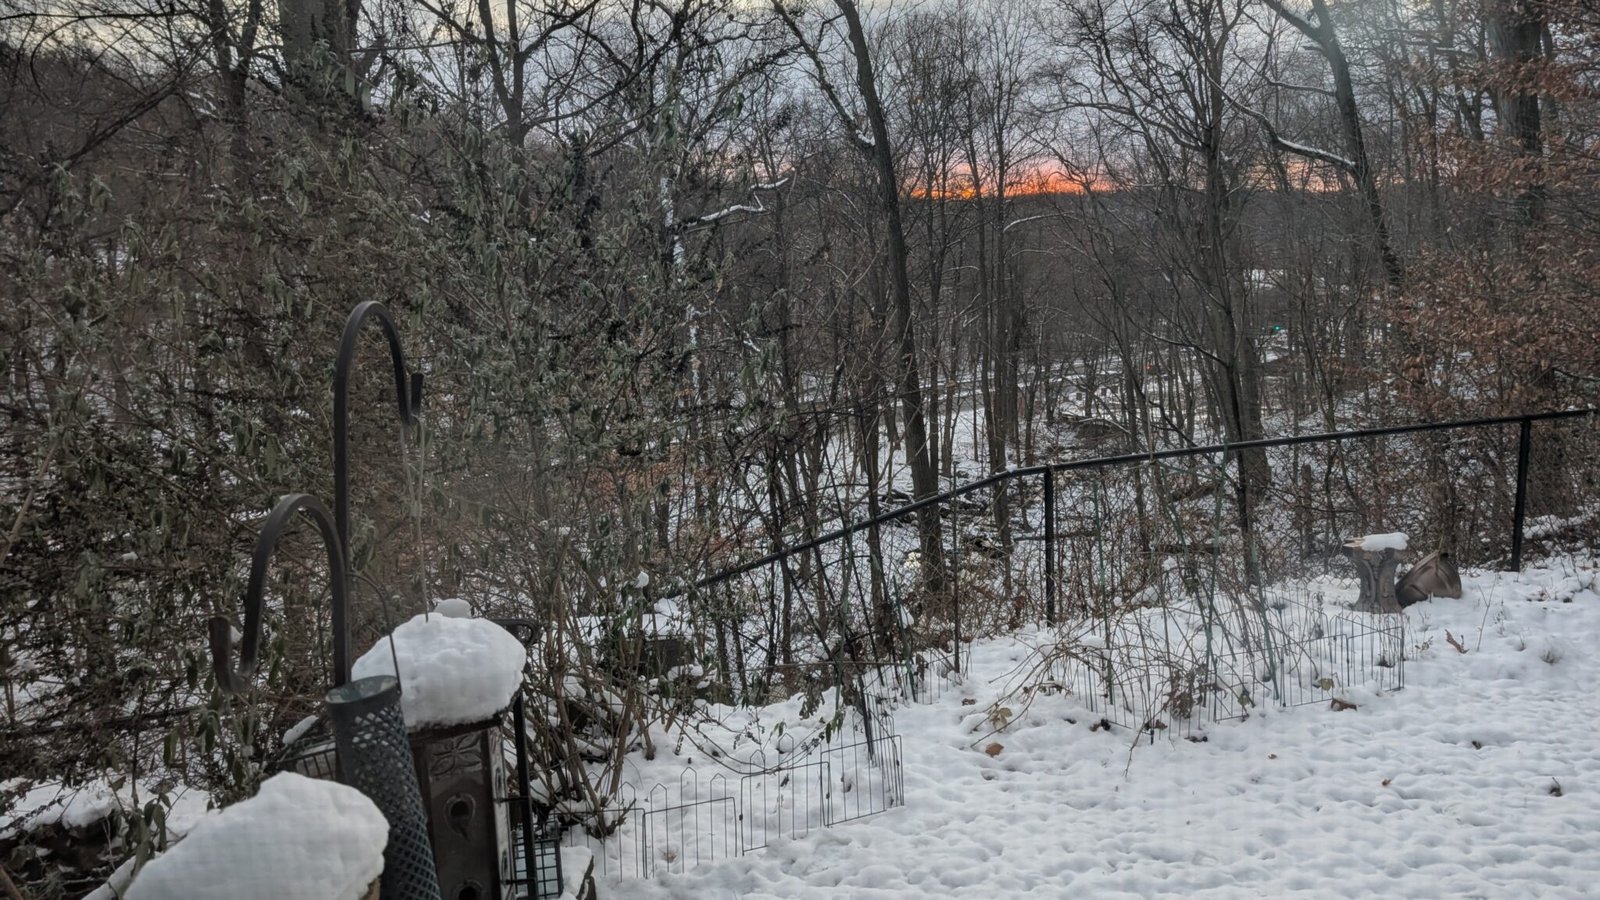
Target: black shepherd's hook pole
pixel 234 681
pixel 407 390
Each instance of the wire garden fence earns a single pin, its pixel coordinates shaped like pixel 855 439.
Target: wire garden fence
pixel 1181 586
pixel 788 791
pixel 1177 588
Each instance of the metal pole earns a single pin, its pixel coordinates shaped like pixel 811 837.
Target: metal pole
pixel 1520 509
pixel 955 572
pixel 234 681
pixel 1050 546
pixel 408 397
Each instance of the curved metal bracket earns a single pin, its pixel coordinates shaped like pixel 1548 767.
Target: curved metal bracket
pixel 407 390
pixel 525 630
pixel 234 681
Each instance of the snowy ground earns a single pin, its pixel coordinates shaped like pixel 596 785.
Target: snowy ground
pixel 1479 779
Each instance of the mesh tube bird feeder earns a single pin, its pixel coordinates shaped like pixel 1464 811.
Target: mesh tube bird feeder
pixel 375 758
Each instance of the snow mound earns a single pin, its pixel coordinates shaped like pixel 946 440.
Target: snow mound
pixel 54 804
pixel 51 803
pixel 1378 542
pixel 452 671
pixel 454 608
pixel 298 837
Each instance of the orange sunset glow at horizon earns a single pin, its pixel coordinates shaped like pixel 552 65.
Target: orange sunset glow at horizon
pixel 1034 184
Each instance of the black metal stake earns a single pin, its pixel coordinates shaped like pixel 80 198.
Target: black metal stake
pixel 408 399
pixel 1520 508
pixel 1050 546
pixel 234 681
pixel 334 527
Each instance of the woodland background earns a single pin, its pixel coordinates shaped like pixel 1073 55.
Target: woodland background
pixel 691 279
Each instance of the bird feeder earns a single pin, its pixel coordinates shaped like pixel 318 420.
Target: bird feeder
pixel 461 684
pixel 459 689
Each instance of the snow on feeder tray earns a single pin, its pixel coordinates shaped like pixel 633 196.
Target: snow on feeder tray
pixel 297 837
pixel 461 696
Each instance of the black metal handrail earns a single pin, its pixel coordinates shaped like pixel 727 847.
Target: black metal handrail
pixel 1048 470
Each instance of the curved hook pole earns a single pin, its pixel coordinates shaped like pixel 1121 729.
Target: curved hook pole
pixel 408 397
pixel 234 681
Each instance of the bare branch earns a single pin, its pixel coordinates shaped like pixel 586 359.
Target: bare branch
pixel 809 48
pixel 1289 146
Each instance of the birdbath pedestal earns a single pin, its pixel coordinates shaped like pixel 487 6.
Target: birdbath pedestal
pixel 1376 557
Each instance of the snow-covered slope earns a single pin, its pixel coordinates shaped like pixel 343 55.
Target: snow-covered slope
pixel 1480 779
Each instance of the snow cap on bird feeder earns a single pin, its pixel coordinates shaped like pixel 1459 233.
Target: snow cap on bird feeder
pixel 297 837
pixel 453 670
pixel 457 676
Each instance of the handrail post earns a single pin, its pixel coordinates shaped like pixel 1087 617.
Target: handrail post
pixel 1519 510
pixel 1050 546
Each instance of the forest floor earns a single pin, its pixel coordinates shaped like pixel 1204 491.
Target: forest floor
pixel 1478 779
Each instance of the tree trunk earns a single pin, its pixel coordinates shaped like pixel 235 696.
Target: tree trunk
pixel 1323 34
pixel 924 468
pixel 1515 29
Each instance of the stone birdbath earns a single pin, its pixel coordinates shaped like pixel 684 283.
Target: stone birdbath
pixel 1376 557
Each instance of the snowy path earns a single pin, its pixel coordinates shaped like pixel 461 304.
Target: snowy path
pixel 1446 789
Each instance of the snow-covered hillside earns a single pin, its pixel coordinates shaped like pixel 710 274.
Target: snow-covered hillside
pixel 1477 780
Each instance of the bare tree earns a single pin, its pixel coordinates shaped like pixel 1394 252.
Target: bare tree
pixel 1320 30
pixel 876 144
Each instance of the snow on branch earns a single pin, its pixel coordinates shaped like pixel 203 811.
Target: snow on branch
pixel 1289 146
pixel 756 208
pixel 1314 153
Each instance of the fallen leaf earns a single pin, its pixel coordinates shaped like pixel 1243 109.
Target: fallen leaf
pixel 1341 705
pixel 1454 642
pixel 969 701
pixel 1388 781
pixel 993 749
pixel 1272 756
